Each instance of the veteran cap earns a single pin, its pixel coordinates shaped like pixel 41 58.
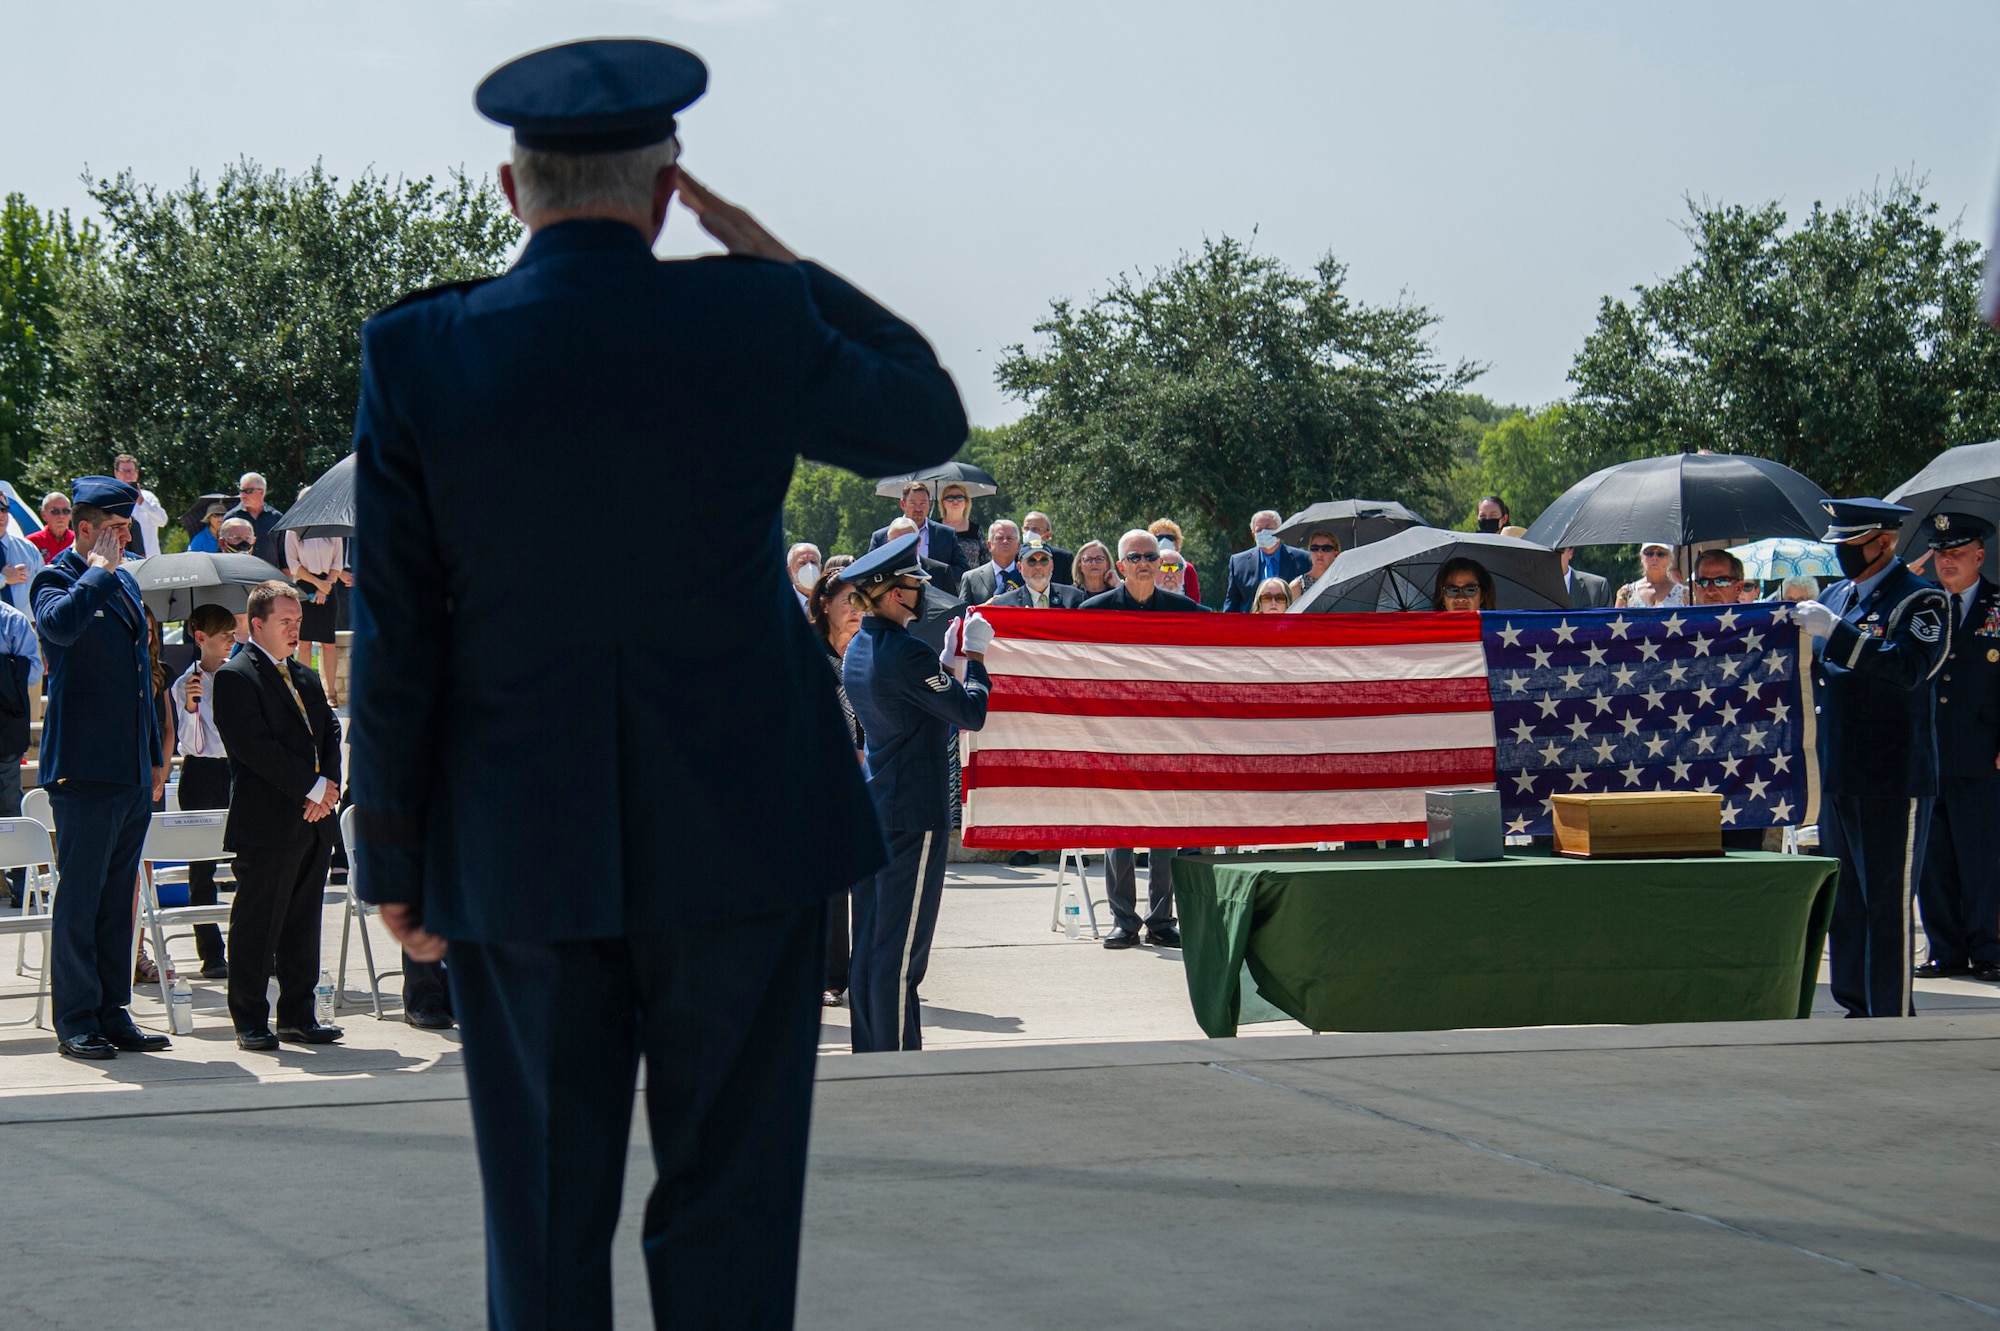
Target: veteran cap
pixel 891 560
pixel 1851 518
pixel 105 492
pixel 600 96
pixel 1033 544
pixel 1948 531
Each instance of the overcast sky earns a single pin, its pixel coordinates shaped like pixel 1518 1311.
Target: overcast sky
pixel 1506 165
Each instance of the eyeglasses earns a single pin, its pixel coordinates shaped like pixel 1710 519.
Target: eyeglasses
pixel 1090 559
pixel 1656 553
pixel 1038 559
pixel 1715 582
pixel 56 512
pixel 1142 557
pixel 955 499
pixel 1168 566
pixel 1273 598
pixel 251 490
pixel 1462 591
pixel 1324 549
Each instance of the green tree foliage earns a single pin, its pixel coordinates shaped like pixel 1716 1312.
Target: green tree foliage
pixel 838 511
pixel 1226 384
pixel 1526 460
pixel 222 332
pixel 40 256
pixel 1464 486
pixel 1848 347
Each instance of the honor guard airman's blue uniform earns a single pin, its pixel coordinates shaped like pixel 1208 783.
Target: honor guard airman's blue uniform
pixel 626 824
pixel 100 744
pixel 1960 886
pixel 1875 673
pixel 907 704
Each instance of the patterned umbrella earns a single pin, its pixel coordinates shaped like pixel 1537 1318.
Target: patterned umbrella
pixel 1784 557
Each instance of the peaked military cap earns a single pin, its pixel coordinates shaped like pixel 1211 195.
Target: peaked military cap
pixel 1948 531
pixel 601 96
pixel 891 559
pixel 1850 518
pixel 105 492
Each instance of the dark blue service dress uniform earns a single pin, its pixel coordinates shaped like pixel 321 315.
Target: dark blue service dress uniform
pixel 589 814
pixel 1878 760
pixel 100 744
pixel 1960 886
pixel 907 704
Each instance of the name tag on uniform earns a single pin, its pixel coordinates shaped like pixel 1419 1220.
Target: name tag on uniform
pixel 191 819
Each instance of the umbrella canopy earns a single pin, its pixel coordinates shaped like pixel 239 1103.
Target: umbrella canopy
pixel 1783 557
pixel 1353 521
pixel 173 585
pixel 1684 498
pixel 329 509
pixel 976 482
pixel 196 516
pixel 1965 479
pixel 1399 572
pixel 27 518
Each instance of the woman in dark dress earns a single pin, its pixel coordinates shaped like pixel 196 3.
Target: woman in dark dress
pixel 835 610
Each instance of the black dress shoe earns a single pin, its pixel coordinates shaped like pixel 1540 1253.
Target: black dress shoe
pixel 261 1038
pixel 314 1034
pixel 1167 937
pixel 91 1045
pixel 431 1017
pixel 1986 970
pixel 132 1040
pixel 1938 970
pixel 1121 938
pixel 219 971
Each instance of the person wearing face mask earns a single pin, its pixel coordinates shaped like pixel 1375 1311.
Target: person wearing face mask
pixel 1492 515
pixel 906 702
pixel 1880 640
pixel 238 536
pixel 1268 557
pixel 802 567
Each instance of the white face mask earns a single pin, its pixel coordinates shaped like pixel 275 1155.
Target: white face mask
pixel 807 575
pixel 1267 540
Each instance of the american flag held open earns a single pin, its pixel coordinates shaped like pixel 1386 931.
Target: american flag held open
pixel 1110 729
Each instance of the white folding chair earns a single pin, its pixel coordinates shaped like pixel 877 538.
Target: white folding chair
pixel 356 916
pixel 26 844
pixel 1083 880
pixel 39 883
pixel 181 838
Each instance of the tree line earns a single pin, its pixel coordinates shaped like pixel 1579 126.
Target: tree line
pixel 214 328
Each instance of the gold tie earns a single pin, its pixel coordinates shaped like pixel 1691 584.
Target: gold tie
pixel 1041 600
pixel 285 673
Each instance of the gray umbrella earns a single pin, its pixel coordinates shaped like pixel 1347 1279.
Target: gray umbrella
pixel 1965 479
pixel 1353 521
pixel 328 510
pixel 173 585
pixel 1684 498
pixel 976 482
pixel 1399 573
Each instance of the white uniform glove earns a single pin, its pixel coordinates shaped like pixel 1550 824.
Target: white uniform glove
pixel 978 634
pixel 1814 618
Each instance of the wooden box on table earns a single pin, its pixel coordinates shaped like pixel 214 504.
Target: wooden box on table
pixel 1667 824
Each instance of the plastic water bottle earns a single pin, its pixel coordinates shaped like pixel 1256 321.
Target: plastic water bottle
pixel 180 1004
pixel 323 999
pixel 1072 913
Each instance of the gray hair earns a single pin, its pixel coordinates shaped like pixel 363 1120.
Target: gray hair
pixel 243 525
pixel 1799 582
pixel 1266 514
pixel 247 477
pixel 552 182
pixel 902 526
pixel 1137 534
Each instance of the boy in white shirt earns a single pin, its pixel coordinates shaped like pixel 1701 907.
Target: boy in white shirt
pixel 204 763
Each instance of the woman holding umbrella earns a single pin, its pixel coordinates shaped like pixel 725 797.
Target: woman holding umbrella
pixel 1463 587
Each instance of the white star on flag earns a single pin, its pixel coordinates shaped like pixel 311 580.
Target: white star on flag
pixel 1756 787
pixel 1618 626
pixel 1623 674
pixel 1511 636
pixel 1524 783
pixel 1673 625
pixel 1595 653
pixel 1523 731
pixel 1551 753
pixel 1755 739
pixel 1541 655
pixel 1564 633
pixel 1781 813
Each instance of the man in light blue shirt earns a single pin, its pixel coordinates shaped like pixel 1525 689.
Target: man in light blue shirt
pixel 17 639
pixel 19 562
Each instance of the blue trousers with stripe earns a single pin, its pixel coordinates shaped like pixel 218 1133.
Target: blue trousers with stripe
pixel 100 831
pixel 1880 846
pixel 895 915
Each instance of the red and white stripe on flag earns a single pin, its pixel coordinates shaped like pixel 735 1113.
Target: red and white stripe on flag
pixel 1109 728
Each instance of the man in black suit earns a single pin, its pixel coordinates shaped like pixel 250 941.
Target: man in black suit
pixel 999 573
pixel 1587 591
pixel 1041 590
pixel 284 764
pixel 1268 557
pixel 935 541
pixel 1037 524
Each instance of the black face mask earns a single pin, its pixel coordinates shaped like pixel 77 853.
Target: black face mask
pixel 1490 526
pixel 1854 559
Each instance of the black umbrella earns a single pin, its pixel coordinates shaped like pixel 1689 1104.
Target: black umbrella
pixel 1400 572
pixel 939 608
pixel 1352 521
pixel 1684 498
pixel 196 517
pixel 1965 479
pixel 976 482
pixel 328 510
pixel 173 585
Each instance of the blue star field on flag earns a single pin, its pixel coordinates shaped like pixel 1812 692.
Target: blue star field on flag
pixel 1693 698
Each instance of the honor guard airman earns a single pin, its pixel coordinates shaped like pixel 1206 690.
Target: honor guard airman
pixel 100 761
pixel 1880 641
pixel 906 702
pixel 588 819
pixel 1959 889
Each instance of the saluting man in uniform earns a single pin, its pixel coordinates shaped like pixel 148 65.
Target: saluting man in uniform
pixel 1960 885
pixel 906 702
pixel 642 898
pixel 101 765
pixel 1880 639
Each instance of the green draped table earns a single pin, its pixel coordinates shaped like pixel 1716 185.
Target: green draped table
pixel 1395 941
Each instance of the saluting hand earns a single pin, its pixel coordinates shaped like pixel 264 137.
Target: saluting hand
pixel 106 551
pixel 739 232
